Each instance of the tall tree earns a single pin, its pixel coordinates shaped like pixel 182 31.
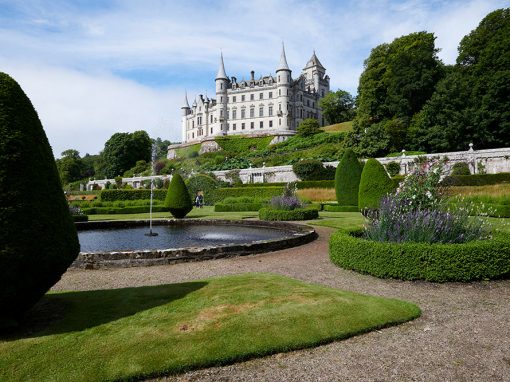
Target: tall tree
pixel 337 106
pixel 397 80
pixel 70 166
pixel 472 104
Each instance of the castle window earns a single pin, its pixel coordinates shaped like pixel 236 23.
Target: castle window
pixel 313 105
pixel 234 99
pixel 234 114
pixel 242 126
pixel 193 124
pixel 261 124
pixel 243 114
pixel 280 107
pixel 252 97
pixel 211 130
pixel 279 121
pixel 279 92
pixel 211 118
pixel 270 123
pixel 322 93
pixel 228 126
pixel 234 126
pixel 270 110
pixel 192 135
pixel 270 94
pixel 242 98
pixel 221 85
pixel 252 125
pixel 261 96
pixel 221 99
pixel 288 77
pixel 278 78
pixel 261 112
pixel 252 112
pixel 221 113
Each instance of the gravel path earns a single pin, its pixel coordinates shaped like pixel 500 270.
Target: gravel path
pixel 463 334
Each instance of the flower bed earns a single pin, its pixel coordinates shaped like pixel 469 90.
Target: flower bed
pixel 295 214
pixel 474 260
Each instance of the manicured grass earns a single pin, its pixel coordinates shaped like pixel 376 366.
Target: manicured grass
pixel 149 331
pixel 341 220
pixel 338 127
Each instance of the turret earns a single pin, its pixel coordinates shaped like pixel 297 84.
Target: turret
pixel 283 82
pixel 185 112
pixel 221 97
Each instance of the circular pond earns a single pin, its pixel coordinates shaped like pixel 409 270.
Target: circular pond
pixel 125 243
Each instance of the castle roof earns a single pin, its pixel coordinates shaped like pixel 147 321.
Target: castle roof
pixel 186 103
pixel 283 61
pixel 221 71
pixel 314 61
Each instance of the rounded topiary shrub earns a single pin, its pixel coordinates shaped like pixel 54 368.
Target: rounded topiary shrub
pixel 474 260
pixel 347 178
pixel 461 168
pixel 204 183
pixel 296 214
pixel 310 169
pixel 374 184
pixel 38 239
pixel 178 200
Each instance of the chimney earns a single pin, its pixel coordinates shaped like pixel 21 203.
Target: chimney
pixel 252 73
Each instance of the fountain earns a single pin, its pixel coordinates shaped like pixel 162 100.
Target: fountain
pixel 150 233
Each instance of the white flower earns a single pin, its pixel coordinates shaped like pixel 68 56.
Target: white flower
pixel 429 194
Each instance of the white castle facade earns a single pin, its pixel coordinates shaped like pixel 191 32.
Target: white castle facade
pixel 269 105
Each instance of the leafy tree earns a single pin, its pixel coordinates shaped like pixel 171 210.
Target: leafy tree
pixel 123 150
pixel 308 127
pixel 161 147
pixel 398 79
pixel 472 103
pixel 38 239
pixel 337 106
pixel 70 167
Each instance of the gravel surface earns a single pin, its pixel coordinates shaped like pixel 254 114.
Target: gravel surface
pixel 462 335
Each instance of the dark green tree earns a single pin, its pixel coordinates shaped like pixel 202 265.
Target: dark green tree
pixel 122 151
pixel 397 80
pixel 337 106
pixel 70 166
pixel 347 178
pixel 178 200
pixel 161 147
pixel 38 240
pixel 308 127
pixel 374 185
pixel 472 104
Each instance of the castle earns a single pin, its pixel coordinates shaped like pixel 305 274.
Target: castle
pixel 269 105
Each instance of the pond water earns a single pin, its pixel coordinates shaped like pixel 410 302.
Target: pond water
pixel 134 239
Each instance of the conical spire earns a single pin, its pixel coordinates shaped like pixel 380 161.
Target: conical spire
pixel 221 71
pixel 283 61
pixel 186 103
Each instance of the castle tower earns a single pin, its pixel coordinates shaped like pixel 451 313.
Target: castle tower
pixel 221 97
pixel 185 112
pixel 283 82
pixel 316 81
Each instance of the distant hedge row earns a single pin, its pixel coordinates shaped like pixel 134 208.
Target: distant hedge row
pixel 475 260
pixel 122 210
pixel 300 185
pixel 297 214
pixel 255 192
pixel 476 180
pixel 113 195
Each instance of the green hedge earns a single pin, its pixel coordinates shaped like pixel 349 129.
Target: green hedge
pixel 297 214
pixel 476 260
pixel 225 207
pixel 80 218
pixel 300 185
pixel 112 195
pixel 255 192
pixel 476 180
pixel 337 208
pixel 123 210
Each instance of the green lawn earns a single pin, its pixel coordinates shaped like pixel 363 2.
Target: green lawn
pixel 338 127
pixel 149 331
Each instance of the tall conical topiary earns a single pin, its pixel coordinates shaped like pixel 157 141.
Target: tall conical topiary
pixel 178 200
pixel 347 178
pixel 374 184
pixel 38 239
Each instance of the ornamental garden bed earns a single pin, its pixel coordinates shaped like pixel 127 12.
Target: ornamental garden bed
pixel 474 260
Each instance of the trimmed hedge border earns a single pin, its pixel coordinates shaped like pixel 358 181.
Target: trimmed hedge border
pixel 80 218
pixel 476 180
pixel 337 208
pixel 113 195
pixel 236 207
pixel 283 215
pixel 300 185
pixel 255 192
pixel 475 260
pixel 122 210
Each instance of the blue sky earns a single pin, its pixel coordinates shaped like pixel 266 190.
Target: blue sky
pixel 93 68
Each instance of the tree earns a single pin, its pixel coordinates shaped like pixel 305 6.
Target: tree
pixel 337 106
pixel 471 104
pixel 308 127
pixel 397 80
pixel 122 151
pixel 70 166
pixel 161 147
pixel 347 178
pixel 374 185
pixel 38 239
pixel 178 200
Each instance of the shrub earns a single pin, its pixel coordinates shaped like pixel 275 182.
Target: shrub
pixel 178 200
pixel 347 178
pixel 38 240
pixel 310 169
pixel 460 168
pixel 204 183
pixel 255 192
pixel 297 214
pixel 374 184
pixel 113 195
pixel 300 185
pixel 474 260
pixel 476 180
pixel 287 203
pixel 393 168
pixel 308 127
